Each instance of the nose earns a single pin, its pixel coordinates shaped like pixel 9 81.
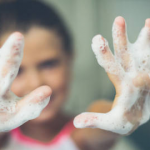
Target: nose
pixel 34 80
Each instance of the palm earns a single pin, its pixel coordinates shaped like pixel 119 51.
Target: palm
pixel 14 110
pixel 129 71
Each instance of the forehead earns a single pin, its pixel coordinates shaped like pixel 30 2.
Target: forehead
pixel 41 44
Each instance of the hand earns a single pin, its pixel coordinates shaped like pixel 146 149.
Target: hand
pixel 129 71
pixel 14 110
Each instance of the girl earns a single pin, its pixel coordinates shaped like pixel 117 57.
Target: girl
pixel 47 60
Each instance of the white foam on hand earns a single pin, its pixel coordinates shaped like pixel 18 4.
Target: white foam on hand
pixel 14 110
pixel 130 67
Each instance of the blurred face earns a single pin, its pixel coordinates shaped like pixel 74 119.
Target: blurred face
pixel 44 63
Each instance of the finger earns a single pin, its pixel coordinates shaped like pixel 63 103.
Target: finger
pixel 120 42
pixel 34 102
pixel 106 121
pixel 104 55
pixel 11 55
pixel 27 108
pixel 39 96
pixel 143 39
pixel 106 59
pixel 143 44
pixel 35 97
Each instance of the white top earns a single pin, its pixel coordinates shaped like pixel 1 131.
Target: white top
pixel 63 141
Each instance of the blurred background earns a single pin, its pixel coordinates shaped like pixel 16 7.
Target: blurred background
pixel 86 18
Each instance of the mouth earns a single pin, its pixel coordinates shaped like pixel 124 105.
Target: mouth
pixel 51 100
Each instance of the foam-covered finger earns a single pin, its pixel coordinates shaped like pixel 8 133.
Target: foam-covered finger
pixel 96 120
pixel 27 108
pixel 89 120
pixel 119 34
pixel 120 41
pixel 104 55
pixel 144 37
pixel 38 96
pixel 11 55
pixel 32 104
pixel 106 121
pixel 147 22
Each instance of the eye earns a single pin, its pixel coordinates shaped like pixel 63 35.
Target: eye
pixel 49 64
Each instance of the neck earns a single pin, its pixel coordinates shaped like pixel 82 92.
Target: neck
pixel 44 131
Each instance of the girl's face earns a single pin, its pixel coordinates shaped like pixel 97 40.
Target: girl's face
pixel 44 63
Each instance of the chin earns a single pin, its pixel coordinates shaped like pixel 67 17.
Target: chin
pixel 44 117
pixel 48 114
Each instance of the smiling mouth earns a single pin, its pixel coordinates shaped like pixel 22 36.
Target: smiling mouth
pixel 52 97
pixel 51 100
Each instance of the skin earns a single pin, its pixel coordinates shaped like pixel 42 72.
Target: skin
pixel 46 48
pixel 133 114
pixel 51 66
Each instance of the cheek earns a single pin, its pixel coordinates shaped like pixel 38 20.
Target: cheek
pixel 18 87
pixel 57 79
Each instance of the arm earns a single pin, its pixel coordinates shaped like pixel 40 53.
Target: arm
pixel 129 71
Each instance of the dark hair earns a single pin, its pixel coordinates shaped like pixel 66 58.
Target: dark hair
pixel 21 15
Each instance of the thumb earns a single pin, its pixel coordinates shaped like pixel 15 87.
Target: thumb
pixel 92 120
pixel 35 102
pixel 111 121
pixel 36 96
